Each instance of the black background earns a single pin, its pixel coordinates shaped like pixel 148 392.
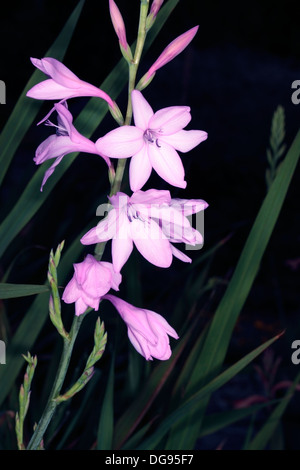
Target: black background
pixel 238 69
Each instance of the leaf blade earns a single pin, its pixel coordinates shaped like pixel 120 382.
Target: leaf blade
pixel 12 291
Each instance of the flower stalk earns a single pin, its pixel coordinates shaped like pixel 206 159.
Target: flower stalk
pixel 24 399
pixel 116 182
pixel 62 370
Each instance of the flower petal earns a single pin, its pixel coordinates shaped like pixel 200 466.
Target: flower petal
pixel 50 90
pixel 167 163
pixel 122 142
pixel 80 307
pixel 54 147
pixel 184 141
pixel 150 197
pixel 170 120
pixel 71 292
pixel 98 280
pixel 104 230
pixel 56 70
pixel 140 169
pixel 50 170
pixel 139 344
pixel 116 278
pixel 151 242
pixel 188 206
pixel 157 319
pixel 142 111
pixel 178 254
pixel 64 118
pixel 122 245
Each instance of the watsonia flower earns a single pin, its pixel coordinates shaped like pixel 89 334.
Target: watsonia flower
pixel 153 142
pixel 64 84
pixel 65 140
pixel 151 221
pixel 92 279
pixel 147 330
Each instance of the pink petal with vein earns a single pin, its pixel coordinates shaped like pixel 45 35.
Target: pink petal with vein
pixel 122 142
pixel 167 163
pixel 178 254
pixel 151 243
pixel 142 111
pixel 56 70
pixel 140 169
pixel 184 141
pixel 170 120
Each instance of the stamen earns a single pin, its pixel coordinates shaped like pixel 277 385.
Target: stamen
pixel 59 129
pixel 132 213
pixel 149 136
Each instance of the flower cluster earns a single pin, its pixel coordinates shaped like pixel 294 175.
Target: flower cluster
pixel 151 220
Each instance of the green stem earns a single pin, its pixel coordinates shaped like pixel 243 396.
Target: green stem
pixel 62 370
pixel 133 68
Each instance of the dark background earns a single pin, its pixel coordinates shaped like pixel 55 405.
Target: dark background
pixel 238 69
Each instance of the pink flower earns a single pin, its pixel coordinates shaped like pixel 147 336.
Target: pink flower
pixel 92 279
pixel 153 142
pixel 66 140
pixel 168 54
pixel 119 27
pixel 151 221
pixel 148 331
pixel 63 83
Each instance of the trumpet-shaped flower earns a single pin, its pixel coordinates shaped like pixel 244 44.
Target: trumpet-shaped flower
pixel 153 142
pixel 66 140
pixel 147 331
pixel 92 279
pixel 151 221
pixel 62 84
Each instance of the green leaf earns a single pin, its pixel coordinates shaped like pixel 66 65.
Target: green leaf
pixel 260 441
pixel 11 291
pixel 26 109
pixel 106 422
pixel 192 404
pixel 214 422
pixel 215 347
pixel 136 411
